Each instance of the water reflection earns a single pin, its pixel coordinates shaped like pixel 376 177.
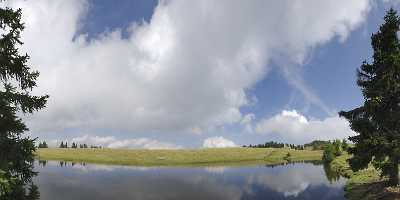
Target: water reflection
pixel 332 175
pixel 294 180
pixel 42 163
pixel 87 181
pixel 22 191
pixel 16 180
pixel 313 162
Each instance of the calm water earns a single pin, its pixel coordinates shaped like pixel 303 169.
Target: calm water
pixel 88 181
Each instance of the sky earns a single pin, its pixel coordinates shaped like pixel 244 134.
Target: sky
pixel 189 74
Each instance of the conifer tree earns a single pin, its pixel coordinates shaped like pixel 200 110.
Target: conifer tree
pixel 16 82
pixel 377 122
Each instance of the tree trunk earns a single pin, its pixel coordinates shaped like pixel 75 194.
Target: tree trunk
pixel 394 175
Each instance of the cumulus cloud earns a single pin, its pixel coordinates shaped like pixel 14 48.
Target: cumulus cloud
pixel 293 181
pixel 247 122
pixel 294 127
pixel 112 142
pixel 216 169
pixel 218 142
pixel 187 69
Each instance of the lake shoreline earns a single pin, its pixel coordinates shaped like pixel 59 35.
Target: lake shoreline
pixel 364 184
pixel 182 157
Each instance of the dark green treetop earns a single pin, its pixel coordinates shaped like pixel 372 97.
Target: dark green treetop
pixel 16 83
pixel 377 122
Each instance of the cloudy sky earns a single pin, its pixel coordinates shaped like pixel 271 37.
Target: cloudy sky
pixel 178 73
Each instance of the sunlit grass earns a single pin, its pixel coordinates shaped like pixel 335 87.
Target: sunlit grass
pixel 363 184
pixel 188 157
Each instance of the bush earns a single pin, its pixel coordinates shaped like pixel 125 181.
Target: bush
pixel 332 150
pixel 329 153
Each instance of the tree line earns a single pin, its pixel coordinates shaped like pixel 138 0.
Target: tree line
pixel 43 145
pixel 273 144
pixel 74 145
pixel 314 145
pixel 81 146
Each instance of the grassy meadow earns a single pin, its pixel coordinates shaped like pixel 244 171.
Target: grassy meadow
pixel 182 157
pixel 364 184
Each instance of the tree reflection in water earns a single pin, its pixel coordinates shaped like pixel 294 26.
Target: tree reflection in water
pixel 17 184
pixel 331 175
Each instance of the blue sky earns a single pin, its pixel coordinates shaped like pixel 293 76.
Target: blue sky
pixel 330 70
pixel 142 74
pixel 106 15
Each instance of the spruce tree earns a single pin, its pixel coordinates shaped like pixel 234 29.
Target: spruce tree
pixel 377 122
pixel 16 82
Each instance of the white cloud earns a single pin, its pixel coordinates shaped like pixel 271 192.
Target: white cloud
pixel 218 142
pixel 293 127
pixel 187 69
pixel 247 122
pixel 112 142
pixel 106 168
pixel 216 169
pixel 293 181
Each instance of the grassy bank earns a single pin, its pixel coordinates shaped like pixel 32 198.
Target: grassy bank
pixel 187 157
pixel 364 184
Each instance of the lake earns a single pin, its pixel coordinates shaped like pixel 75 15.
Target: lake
pixel 71 181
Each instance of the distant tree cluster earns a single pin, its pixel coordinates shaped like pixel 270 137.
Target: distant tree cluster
pixel 64 145
pixel 296 147
pixel 43 145
pixel 76 145
pixel 273 144
pixel 314 145
pixel 334 149
pixel 317 145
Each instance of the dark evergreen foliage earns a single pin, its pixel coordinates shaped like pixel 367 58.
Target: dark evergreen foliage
pixel 345 145
pixel 43 145
pixel 273 144
pixel 377 122
pixel 17 80
pixel 317 144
